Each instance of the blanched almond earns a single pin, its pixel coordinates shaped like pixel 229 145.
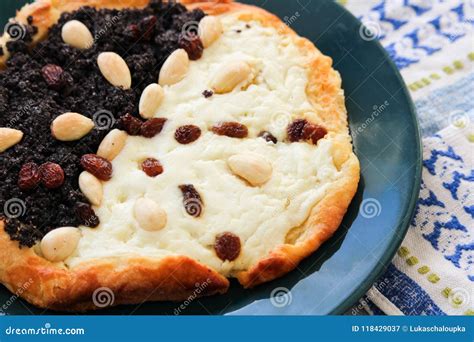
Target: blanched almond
pixel 150 100
pixel 77 35
pixel 91 187
pixel 175 68
pixel 60 243
pixel 210 29
pixel 229 75
pixel 112 144
pixel 252 167
pixel 114 69
pixel 9 137
pixel 71 126
pixel 149 215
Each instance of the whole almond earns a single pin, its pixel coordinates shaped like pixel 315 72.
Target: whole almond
pixel 91 187
pixel 71 126
pixel 9 137
pixel 114 69
pixel 253 168
pixel 175 68
pixel 77 35
pixel 150 100
pixel 229 75
pixel 112 144
pixel 149 215
pixel 60 243
pixel 210 29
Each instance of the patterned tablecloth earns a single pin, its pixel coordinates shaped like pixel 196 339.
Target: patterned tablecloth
pixel 431 42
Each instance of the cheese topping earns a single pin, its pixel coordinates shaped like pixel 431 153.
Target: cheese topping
pixel 261 216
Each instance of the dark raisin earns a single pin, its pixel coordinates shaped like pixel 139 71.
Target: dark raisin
pixel 152 167
pixel 152 127
pixel 207 93
pixel 231 129
pixel 86 215
pixel 238 31
pixel 192 200
pixel 268 136
pixel 313 132
pixel 132 32
pixel 147 27
pixel 130 124
pixel 29 19
pixel 187 134
pixel 29 176
pixel 98 166
pixel 295 130
pixel 192 44
pixel 1 51
pixel 301 129
pixel 53 75
pixel 227 246
pixel 52 175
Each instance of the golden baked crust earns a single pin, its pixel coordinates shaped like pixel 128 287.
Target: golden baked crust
pixel 53 286
pixel 176 277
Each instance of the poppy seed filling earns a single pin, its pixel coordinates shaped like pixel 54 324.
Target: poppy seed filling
pixel 53 78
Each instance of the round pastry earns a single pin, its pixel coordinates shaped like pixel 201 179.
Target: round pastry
pixel 152 149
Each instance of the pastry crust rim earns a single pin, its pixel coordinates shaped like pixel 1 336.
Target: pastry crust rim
pixel 135 280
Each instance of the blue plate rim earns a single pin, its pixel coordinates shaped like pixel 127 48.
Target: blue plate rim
pixel 397 239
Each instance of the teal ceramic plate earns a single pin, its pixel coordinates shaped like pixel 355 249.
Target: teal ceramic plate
pixel 387 142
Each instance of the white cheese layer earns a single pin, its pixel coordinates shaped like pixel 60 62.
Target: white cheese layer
pixel 260 216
